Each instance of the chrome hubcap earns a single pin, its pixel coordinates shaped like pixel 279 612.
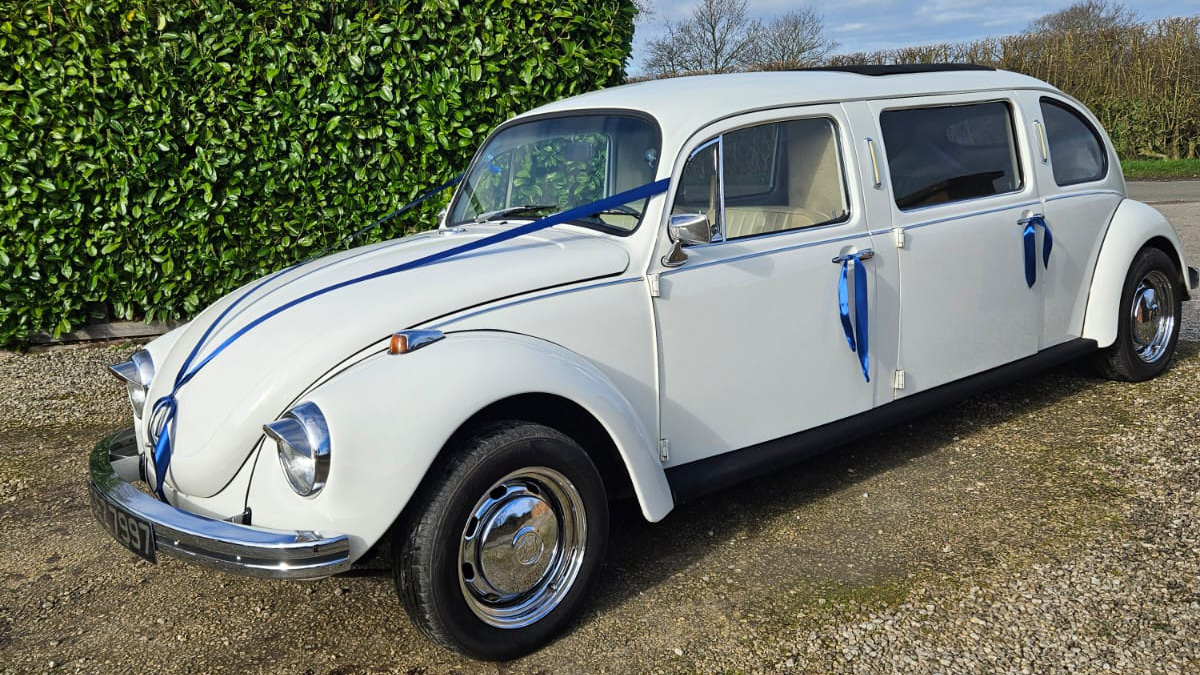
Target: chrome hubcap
pixel 521 547
pixel 1152 316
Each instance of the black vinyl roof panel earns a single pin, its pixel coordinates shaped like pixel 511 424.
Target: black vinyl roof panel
pixel 902 68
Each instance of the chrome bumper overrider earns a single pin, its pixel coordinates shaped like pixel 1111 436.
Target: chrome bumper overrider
pixel 241 549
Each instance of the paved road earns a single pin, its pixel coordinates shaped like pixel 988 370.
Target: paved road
pixel 1165 192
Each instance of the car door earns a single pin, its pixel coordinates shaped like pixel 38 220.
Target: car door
pixel 961 203
pixel 751 342
pixel 1081 190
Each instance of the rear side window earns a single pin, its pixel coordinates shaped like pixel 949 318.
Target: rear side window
pixel 950 153
pixel 1076 151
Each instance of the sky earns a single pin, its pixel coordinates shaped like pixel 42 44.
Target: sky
pixel 870 25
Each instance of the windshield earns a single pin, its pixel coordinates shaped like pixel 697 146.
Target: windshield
pixel 536 168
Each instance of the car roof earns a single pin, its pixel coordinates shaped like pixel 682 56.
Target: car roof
pixel 683 104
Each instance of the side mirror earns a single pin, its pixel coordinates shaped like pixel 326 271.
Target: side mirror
pixel 690 228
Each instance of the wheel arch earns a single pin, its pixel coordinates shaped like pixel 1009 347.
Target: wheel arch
pixel 567 416
pixel 392 416
pixel 1134 226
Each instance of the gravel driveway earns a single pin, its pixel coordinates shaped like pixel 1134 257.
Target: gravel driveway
pixel 1050 526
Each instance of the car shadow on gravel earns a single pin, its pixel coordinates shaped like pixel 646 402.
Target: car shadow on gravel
pixel 795 523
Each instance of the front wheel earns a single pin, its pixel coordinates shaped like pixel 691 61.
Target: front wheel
pixel 502 541
pixel 1149 318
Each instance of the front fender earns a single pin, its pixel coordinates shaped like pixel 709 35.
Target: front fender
pixel 390 415
pixel 1133 225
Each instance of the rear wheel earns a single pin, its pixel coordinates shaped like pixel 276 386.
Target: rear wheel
pixel 502 541
pixel 1149 318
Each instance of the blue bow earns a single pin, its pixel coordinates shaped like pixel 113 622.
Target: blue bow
pixel 1029 236
pixel 856 334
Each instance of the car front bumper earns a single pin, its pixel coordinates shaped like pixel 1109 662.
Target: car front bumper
pixel 231 547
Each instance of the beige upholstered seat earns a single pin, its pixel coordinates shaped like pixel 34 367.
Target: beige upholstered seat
pixel 751 220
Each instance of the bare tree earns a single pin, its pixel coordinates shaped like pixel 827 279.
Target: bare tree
pixel 1086 16
pixel 670 55
pixel 794 40
pixel 715 39
pixel 645 9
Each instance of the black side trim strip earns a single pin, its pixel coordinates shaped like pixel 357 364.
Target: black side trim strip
pixel 694 479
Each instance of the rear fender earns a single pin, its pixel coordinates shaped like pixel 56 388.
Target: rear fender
pixel 1134 225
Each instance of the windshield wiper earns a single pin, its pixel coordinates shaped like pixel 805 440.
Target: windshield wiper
pixel 620 211
pixel 513 210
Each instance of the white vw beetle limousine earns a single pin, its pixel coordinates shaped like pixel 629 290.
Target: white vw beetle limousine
pixel 649 291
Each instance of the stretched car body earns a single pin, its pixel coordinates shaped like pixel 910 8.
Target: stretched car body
pixel 977 225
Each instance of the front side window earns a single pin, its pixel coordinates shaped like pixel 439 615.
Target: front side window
pixel 950 153
pixel 773 178
pixel 536 168
pixel 1076 151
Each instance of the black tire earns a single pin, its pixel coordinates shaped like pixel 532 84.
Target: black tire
pixel 512 474
pixel 1148 320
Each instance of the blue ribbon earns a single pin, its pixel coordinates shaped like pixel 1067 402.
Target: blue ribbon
pixel 1029 237
pixel 856 334
pixel 169 406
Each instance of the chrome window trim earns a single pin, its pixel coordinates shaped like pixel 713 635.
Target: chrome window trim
pixel 719 230
pixel 702 147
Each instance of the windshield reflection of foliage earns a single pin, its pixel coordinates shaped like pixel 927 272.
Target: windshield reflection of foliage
pixel 566 171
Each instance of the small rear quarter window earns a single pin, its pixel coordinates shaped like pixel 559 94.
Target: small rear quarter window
pixel 1076 152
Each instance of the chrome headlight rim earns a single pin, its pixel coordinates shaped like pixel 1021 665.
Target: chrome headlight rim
pixel 302 444
pixel 137 373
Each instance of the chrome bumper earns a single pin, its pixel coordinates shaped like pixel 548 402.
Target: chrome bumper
pixel 231 547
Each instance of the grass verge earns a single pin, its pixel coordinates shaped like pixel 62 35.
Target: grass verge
pixel 1137 169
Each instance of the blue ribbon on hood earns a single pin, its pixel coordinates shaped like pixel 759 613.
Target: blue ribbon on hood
pixel 168 406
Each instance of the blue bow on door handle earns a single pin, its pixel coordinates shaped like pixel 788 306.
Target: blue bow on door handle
pixel 856 333
pixel 1029 236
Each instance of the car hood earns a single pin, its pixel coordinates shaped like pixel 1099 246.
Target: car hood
pixel 258 376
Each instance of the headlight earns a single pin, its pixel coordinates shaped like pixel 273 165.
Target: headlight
pixel 136 373
pixel 302 439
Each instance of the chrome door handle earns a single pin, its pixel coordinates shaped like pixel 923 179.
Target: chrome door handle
pixel 865 254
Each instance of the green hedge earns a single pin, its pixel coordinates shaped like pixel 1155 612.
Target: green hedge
pixel 154 156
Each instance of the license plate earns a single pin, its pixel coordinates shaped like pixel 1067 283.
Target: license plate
pixel 135 534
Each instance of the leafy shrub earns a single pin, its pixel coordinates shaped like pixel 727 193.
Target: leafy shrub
pixel 156 155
